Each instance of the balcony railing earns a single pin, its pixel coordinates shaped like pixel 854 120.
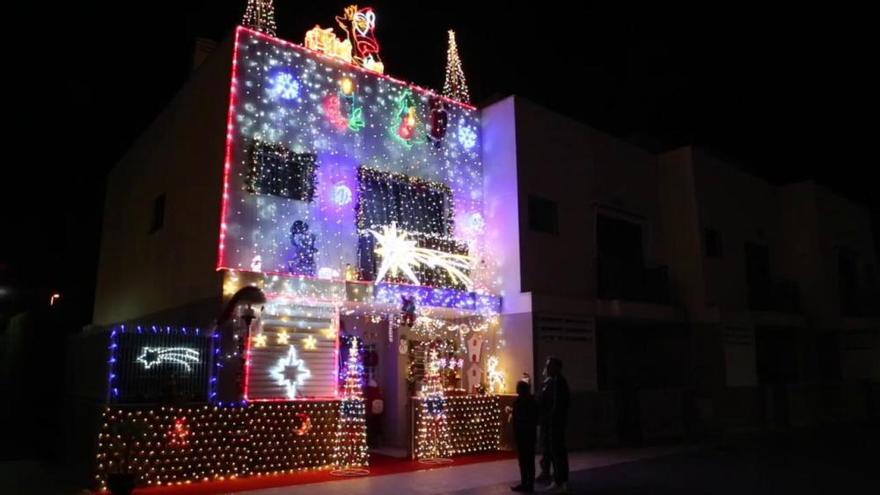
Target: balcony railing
pixel 632 282
pixel 781 295
pixel 860 302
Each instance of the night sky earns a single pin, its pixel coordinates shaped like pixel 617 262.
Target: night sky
pixel 779 92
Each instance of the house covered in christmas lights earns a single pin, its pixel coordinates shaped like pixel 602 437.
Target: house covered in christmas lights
pixel 297 262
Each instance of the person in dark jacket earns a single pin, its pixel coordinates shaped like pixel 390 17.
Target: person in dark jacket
pixel 525 422
pixel 553 403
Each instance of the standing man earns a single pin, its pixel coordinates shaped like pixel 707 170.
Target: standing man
pixel 554 401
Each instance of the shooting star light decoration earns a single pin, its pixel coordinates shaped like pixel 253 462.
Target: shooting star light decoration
pixel 157 356
pixel 400 254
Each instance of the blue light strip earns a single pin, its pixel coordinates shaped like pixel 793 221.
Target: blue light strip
pixel 438 297
pixel 212 387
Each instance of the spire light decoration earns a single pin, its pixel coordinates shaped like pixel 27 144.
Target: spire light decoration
pixel 260 15
pixel 433 445
pixel 455 86
pixel 351 436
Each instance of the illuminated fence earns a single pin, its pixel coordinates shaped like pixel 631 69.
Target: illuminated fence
pixel 167 445
pixel 473 422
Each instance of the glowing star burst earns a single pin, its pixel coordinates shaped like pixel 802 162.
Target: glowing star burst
pixel 283 338
pixel 290 372
pixel 259 340
pixel 400 254
pixel 157 356
pixel 310 343
pixel 329 333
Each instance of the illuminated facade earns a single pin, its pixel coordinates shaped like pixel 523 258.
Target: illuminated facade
pixel 350 257
pixel 365 232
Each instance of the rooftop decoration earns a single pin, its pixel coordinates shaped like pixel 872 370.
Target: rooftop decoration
pixel 325 41
pixel 260 15
pixel 455 86
pixel 360 25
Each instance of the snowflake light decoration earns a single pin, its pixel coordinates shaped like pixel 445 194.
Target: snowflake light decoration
pixel 284 86
pixel 467 137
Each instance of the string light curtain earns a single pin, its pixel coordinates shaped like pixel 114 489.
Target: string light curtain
pixel 415 205
pixel 220 441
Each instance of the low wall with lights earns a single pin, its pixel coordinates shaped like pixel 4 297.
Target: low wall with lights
pixel 170 445
pixel 473 424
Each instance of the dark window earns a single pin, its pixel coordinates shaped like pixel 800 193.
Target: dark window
pixel 776 355
pixel 758 279
pixel 712 246
pixel 543 215
pixel 415 205
pixel 848 282
pixel 870 276
pixel 278 171
pixel 158 218
pixel 619 251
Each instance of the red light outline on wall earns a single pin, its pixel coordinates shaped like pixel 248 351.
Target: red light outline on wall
pixel 227 161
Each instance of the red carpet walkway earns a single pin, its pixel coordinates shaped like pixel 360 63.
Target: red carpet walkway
pixel 379 465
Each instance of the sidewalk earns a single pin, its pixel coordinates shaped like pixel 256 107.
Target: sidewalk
pixel 438 480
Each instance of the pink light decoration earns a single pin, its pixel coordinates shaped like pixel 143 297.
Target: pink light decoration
pixel 227 161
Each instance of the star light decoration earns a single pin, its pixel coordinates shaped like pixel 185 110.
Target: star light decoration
pixel 283 338
pixel 290 372
pixel 260 340
pixel 310 343
pixel 400 254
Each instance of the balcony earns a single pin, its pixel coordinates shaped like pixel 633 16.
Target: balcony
pixel 781 296
pixel 859 302
pixel 632 282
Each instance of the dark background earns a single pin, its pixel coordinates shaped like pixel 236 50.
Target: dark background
pixel 778 90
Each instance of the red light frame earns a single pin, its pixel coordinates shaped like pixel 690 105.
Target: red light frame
pixel 247 372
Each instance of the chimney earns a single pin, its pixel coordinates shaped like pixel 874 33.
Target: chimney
pixel 203 48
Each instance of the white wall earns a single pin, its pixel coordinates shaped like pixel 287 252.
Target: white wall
pixel 503 213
